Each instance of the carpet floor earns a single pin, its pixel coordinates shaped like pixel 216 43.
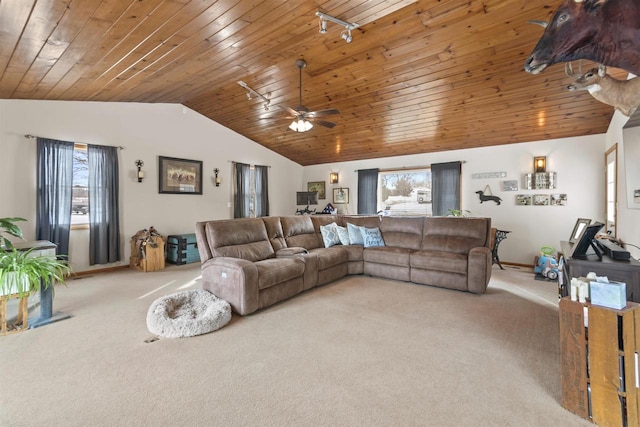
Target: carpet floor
pixel 358 352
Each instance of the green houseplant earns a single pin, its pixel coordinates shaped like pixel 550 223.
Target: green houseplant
pixel 21 272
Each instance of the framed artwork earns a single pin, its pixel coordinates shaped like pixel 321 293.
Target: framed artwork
pixel 318 186
pixel 340 196
pixel 541 200
pixel 510 185
pixel 179 176
pixel 523 200
pixel 558 200
pixel 581 224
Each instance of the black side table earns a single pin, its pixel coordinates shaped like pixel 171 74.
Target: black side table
pixel 499 237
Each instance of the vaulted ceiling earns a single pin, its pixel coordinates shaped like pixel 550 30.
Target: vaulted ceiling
pixel 419 76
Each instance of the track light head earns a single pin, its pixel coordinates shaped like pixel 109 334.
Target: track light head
pixel 323 26
pixel 348 26
pixel 346 36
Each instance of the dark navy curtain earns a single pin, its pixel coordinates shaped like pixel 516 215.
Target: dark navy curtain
pixel 55 186
pixel 262 191
pixel 104 219
pixel 445 187
pixel 242 194
pixel 367 191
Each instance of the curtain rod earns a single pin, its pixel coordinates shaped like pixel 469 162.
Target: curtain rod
pixel 403 168
pixel 35 137
pixel 231 161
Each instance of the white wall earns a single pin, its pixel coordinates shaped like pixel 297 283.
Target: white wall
pixel 577 162
pixel 628 219
pixel 151 130
pixel 146 131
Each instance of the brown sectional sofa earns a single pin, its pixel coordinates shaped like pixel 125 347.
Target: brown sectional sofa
pixel 255 262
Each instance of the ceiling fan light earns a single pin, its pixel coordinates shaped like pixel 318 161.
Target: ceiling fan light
pixel 306 125
pixel 300 125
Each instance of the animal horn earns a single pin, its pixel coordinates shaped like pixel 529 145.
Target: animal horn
pixel 568 69
pixel 543 24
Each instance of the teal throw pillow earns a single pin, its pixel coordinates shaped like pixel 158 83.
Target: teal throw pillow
pixel 372 237
pixel 343 234
pixel 329 235
pixel 355 235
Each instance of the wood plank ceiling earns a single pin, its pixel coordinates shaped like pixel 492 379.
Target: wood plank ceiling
pixel 419 76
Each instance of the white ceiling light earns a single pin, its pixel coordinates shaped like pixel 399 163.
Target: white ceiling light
pixel 300 125
pixel 346 34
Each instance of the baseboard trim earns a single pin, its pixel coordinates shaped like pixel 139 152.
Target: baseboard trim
pixel 98 270
pixel 516 264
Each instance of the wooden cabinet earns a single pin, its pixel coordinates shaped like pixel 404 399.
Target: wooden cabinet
pixel 616 270
pixel 599 362
pixel 149 257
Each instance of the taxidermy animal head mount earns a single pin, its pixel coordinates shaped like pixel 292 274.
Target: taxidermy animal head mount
pixel 624 95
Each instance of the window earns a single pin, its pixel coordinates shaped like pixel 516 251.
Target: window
pixel 611 188
pixel 251 198
pixel 80 192
pixel 405 192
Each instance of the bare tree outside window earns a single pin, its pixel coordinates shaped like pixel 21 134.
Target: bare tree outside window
pixel 405 192
pixel 80 193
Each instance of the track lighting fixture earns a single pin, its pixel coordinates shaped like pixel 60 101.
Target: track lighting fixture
pixel 346 34
pixel 266 99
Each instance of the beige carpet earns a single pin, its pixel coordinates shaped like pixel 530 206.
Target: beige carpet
pixel 358 352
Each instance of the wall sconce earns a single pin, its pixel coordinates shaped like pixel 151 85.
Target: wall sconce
pixel 140 164
pixel 217 179
pixel 540 164
pixel 333 177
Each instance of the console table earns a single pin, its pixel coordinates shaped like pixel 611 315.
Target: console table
pixel 499 237
pixel 627 271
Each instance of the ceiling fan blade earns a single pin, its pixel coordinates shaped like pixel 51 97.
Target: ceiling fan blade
pixel 322 123
pixel 293 112
pixel 322 113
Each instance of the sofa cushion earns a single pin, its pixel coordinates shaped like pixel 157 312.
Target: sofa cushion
pixel 371 237
pixel 455 235
pixel 274 232
pixel 329 257
pixel 298 230
pixel 440 261
pixel 274 271
pixel 244 238
pixel 329 234
pixel 387 255
pixel 343 235
pixel 402 232
pixel 355 235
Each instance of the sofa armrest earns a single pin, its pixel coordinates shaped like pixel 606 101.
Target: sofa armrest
pixel 480 262
pixel 234 280
pixel 288 252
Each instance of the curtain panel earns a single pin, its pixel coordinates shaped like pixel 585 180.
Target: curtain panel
pixel 262 190
pixel 54 192
pixel 242 193
pixel 367 191
pixel 445 187
pixel 104 220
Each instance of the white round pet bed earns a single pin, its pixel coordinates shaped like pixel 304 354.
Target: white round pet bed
pixel 187 314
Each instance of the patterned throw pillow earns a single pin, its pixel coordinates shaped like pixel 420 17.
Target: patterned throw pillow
pixel 355 235
pixel 371 237
pixel 330 235
pixel 343 234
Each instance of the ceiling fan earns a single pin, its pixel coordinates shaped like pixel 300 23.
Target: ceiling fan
pixel 303 119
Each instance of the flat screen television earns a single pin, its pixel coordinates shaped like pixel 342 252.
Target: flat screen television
pixel 582 244
pixel 306 198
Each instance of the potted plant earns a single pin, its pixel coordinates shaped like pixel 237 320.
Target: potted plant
pixel 21 273
pixel 459 212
